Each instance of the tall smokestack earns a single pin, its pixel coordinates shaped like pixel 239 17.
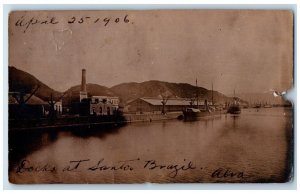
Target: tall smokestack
pixel 83 81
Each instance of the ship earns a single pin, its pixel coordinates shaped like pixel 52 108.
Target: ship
pixel 268 106
pixel 257 106
pixel 234 107
pixel 195 113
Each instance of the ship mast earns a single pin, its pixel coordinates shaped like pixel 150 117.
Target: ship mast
pixel 197 94
pixel 212 93
pixel 234 99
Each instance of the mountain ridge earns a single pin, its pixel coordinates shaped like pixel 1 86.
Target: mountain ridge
pixel 20 80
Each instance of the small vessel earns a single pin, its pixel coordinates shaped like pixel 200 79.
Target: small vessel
pixel 191 113
pixel 194 113
pixel 257 106
pixel 234 107
pixel 268 106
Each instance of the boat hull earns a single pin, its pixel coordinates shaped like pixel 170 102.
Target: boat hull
pixel 234 110
pixel 194 116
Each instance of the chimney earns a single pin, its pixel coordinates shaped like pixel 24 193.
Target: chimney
pixel 83 81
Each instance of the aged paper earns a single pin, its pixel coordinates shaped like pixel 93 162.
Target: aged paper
pixel 161 96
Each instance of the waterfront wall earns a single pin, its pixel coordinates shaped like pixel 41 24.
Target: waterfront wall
pixel 149 117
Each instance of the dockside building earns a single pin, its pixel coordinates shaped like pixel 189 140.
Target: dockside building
pixel 155 105
pixel 93 105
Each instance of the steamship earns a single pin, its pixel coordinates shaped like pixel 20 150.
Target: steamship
pixel 234 107
pixel 193 114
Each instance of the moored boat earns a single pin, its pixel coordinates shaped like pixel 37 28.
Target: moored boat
pixel 268 106
pixel 234 107
pixel 195 113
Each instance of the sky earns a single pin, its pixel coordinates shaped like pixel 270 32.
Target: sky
pixel 246 51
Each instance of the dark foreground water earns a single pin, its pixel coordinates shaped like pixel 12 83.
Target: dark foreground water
pixel 255 146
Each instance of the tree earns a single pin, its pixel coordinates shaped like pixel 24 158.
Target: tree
pixel 52 102
pixel 165 96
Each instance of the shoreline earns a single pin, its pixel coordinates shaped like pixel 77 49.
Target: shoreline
pixel 92 122
pixel 75 122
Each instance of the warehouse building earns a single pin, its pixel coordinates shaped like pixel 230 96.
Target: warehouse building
pixel 155 105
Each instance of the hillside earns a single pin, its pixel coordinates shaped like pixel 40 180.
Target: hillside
pixel 130 91
pixel 72 94
pixel 92 90
pixel 21 81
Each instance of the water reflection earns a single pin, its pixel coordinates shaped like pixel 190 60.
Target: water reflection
pixel 96 132
pixel 235 120
pixel 23 143
pixel 258 144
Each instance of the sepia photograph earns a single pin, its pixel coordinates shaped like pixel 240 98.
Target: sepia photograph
pixel 157 96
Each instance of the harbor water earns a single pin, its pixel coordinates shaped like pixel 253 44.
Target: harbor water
pixel 255 146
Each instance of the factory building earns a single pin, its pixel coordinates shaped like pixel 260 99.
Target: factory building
pixel 103 105
pixel 94 105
